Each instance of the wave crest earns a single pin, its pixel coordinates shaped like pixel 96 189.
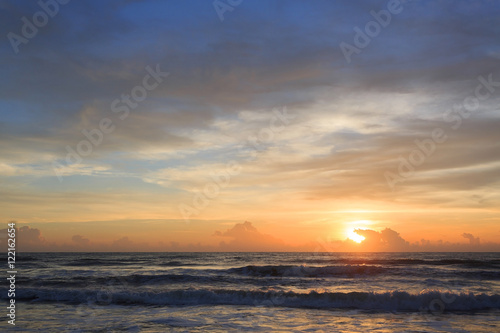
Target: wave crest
pixel 388 301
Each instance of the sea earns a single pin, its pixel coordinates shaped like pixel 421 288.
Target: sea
pixel 255 292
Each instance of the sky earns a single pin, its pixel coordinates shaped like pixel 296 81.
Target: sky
pixel 251 125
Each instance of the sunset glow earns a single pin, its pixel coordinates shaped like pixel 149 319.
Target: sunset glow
pixel 355 237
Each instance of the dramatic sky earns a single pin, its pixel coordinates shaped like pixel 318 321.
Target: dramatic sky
pixel 165 125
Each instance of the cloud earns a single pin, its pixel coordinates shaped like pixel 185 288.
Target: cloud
pixel 80 240
pixel 385 240
pixel 30 239
pixel 388 240
pixel 473 240
pixel 245 237
pixel 371 111
pixel 30 235
pixel 27 239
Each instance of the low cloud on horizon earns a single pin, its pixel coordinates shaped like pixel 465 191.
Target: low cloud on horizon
pixel 245 237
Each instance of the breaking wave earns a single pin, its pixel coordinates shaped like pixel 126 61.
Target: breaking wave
pixel 308 271
pixel 388 301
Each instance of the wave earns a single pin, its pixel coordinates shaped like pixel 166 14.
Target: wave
pixel 248 275
pixel 388 301
pixel 194 260
pixel 134 280
pixel 308 271
pixel 141 280
pixel 409 262
pixel 87 262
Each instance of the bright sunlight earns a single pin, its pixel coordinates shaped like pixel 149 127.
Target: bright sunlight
pixel 352 235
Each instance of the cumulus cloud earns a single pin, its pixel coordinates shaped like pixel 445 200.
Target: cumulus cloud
pixel 245 237
pixel 387 239
pixel 27 239
pixel 473 240
pixel 30 236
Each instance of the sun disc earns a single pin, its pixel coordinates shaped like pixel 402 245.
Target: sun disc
pixel 355 237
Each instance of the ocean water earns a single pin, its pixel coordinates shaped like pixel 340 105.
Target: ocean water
pixel 266 292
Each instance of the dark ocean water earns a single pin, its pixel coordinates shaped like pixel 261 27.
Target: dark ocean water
pixel 287 292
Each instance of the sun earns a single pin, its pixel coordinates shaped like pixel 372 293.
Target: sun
pixel 355 237
pixel 357 224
